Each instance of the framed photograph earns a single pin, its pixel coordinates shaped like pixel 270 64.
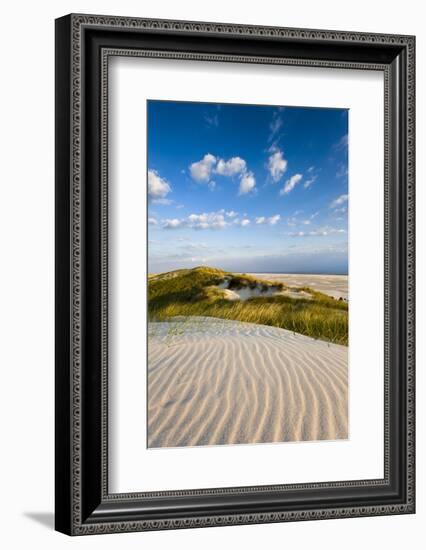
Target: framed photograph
pixel 234 274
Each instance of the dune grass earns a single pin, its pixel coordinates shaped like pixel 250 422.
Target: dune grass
pixel 194 292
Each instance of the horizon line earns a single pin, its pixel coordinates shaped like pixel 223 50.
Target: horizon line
pixel 281 272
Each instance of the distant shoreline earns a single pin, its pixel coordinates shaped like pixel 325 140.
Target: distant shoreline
pixel 325 274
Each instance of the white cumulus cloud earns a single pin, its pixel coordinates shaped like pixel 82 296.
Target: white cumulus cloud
pixel 207 220
pixel 339 200
pixel 158 187
pixel 243 222
pixel 277 164
pixel 164 202
pixel 231 167
pixel 310 181
pixel 172 224
pixel 247 183
pixel 201 170
pixel 323 232
pixel 219 219
pixel 272 220
pixel 291 183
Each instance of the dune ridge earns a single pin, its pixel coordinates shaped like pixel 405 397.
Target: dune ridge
pixel 336 286
pixel 214 381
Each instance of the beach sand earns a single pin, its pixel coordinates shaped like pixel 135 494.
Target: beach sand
pixel 335 286
pixel 215 382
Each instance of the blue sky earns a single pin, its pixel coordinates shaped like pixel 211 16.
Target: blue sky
pixel 247 188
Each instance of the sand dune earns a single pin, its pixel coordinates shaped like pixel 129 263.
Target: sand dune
pixel 213 382
pixel 335 286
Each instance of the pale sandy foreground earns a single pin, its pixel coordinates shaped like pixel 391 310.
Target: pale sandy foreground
pixel 215 382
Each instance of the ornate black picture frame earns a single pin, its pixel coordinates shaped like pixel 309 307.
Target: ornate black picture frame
pixel 83 45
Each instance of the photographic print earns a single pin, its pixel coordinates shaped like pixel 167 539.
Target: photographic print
pixel 247 274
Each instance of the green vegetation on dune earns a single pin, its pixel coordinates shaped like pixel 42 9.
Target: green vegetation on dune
pixel 195 292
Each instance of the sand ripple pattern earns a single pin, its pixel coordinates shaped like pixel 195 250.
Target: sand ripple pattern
pixel 217 382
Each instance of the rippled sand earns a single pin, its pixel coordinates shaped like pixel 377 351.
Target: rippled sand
pixel 215 382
